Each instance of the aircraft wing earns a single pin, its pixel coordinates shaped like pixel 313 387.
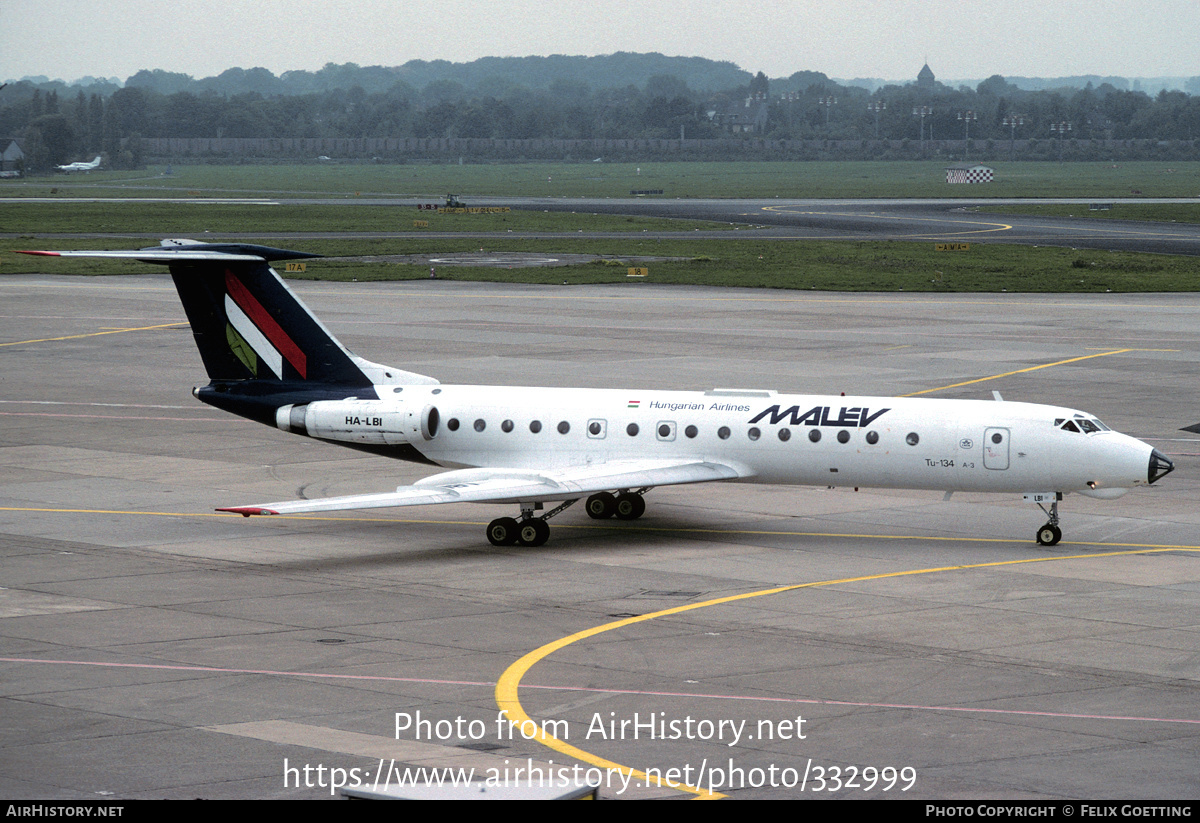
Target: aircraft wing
pixel 514 486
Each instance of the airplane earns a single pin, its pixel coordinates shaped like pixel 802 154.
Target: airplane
pixel 269 359
pixel 81 166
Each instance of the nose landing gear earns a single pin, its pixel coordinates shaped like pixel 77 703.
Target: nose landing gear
pixel 1049 534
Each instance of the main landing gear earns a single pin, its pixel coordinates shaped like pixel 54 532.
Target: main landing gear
pixel 534 531
pixel 1049 534
pixel 528 531
pixel 624 506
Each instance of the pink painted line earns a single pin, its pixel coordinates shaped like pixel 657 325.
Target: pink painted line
pixel 220 670
pixel 854 704
pixel 103 405
pixel 749 698
pixel 124 417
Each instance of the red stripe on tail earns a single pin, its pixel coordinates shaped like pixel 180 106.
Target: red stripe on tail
pixel 266 323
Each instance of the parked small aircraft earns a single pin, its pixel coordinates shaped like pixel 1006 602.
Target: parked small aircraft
pixel 81 166
pixel 269 359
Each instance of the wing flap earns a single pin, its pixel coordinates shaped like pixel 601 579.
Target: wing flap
pixel 513 486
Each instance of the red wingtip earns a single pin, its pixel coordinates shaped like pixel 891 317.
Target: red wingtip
pixel 42 253
pixel 247 511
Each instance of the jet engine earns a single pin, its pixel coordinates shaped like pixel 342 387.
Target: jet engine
pixel 359 421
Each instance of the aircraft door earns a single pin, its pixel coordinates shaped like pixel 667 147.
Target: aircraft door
pixel 995 448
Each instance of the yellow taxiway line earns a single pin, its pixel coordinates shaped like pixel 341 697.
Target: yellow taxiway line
pixel 508 698
pixel 92 334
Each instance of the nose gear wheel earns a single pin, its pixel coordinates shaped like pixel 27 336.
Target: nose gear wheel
pixel 1050 534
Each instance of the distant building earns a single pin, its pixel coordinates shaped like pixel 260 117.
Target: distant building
pixel 748 117
pixel 1098 123
pixel 12 159
pixel 969 173
pixel 925 79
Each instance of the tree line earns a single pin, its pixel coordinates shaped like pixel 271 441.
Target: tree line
pixel 557 99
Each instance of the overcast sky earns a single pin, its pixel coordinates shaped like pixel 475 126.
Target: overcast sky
pixel 890 39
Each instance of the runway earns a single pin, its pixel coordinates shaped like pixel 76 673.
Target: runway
pixel 953 220
pixel 786 642
pixel 927 220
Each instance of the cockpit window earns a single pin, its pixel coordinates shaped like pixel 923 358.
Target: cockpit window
pixel 1086 425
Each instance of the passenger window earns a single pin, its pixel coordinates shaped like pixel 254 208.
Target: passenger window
pixel 843 436
pixel 597 429
pixel 814 435
pixel 691 431
pixel 723 432
pixel 785 434
pixel 564 427
pixel 632 429
pixel 452 424
pixel 754 433
pixel 480 425
pixel 535 426
pixel 506 426
pixel 665 430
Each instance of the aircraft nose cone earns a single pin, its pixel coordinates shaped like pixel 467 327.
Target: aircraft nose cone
pixel 1160 466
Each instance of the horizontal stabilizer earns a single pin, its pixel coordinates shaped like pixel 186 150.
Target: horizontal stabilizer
pixel 183 251
pixel 255 336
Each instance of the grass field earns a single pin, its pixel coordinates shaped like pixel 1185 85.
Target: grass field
pixel 676 179
pixel 136 217
pixel 820 265
pixel 734 261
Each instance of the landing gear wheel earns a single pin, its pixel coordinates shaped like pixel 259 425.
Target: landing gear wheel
pixel 503 531
pixel 1049 535
pixel 533 532
pixel 601 506
pixel 630 506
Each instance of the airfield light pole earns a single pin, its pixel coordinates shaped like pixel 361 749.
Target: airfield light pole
pixel 1062 128
pixel 922 112
pixel 827 102
pixel 877 106
pixel 966 117
pixel 1012 121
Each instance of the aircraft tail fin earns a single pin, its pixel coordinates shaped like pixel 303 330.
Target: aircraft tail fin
pixel 247 323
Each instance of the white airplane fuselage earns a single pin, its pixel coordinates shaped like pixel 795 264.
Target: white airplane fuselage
pixel 81 166
pixel 270 359
pixel 883 442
